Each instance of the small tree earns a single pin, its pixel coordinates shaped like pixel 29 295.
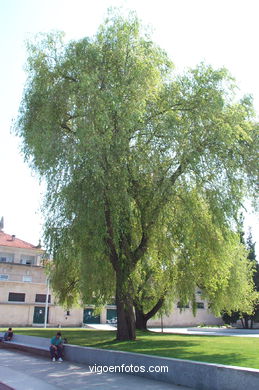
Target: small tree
pixel 252 315
pixel 246 317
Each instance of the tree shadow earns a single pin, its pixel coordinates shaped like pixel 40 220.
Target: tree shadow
pixel 183 348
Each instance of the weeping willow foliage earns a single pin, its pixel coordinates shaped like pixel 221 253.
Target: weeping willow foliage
pixel 145 169
pixel 190 249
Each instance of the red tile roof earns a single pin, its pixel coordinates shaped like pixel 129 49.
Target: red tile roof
pixel 12 241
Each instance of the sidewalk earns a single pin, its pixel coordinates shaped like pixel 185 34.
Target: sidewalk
pixel 22 371
pixel 211 331
pixel 192 330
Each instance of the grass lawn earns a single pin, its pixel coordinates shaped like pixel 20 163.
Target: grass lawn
pixel 235 351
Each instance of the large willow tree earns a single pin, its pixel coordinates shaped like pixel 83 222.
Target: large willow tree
pixel 118 138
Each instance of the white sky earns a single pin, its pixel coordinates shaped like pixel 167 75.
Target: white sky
pixel 219 32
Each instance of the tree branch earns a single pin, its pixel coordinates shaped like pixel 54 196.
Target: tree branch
pixel 177 172
pixel 155 309
pixel 142 248
pixel 110 238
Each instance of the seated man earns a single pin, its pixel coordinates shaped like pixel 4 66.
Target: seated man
pixel 56 348
pixel 8 335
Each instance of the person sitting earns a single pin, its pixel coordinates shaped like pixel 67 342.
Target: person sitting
pixel 56 348
pixel 8 335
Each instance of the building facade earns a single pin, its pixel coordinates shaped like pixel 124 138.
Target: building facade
pixel 23 288
pixel 183 316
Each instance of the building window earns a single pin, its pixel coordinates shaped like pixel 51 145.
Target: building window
pixel 6 258
pixel 4 277
pixel 181 306
pixel 41 298
pixel 28 260
pixel 111 316
pixel 16 297
pixel 200 305
pixel 27 279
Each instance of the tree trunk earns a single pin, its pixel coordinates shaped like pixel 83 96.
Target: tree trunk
pixel 141 319
pixel 246 318
pixel 126 329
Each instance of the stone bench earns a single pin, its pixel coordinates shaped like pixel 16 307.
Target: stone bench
pixel 39 345
pixel 196 375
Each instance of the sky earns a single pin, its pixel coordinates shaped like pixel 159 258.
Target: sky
pixel 218 32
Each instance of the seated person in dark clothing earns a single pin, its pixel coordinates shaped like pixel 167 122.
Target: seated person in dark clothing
pixel 8 335
pixel 56 347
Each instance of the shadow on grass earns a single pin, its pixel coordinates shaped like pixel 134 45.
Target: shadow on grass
pixel 213 350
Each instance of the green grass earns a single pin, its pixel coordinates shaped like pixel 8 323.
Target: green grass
pixel 235 351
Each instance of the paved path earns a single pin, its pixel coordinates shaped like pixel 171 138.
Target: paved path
pixel 22 371
pixel 193 330
pixel 211 331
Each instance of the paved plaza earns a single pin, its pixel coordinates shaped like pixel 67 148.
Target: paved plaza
pixel 22 371
pixel 193 330
pixel 211 331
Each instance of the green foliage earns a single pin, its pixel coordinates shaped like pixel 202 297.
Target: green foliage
pixel 245 313
pixel 75 276
pixel 231 318
pixel 191 249
pixel 140 164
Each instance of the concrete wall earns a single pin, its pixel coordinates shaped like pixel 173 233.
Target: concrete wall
pixel 58 316
pixel 16 272
pixel 185 317
pixel 196 375
pixel 22 315
pixel 9 315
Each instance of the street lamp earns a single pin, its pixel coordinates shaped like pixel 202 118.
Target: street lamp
pixel 46 305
